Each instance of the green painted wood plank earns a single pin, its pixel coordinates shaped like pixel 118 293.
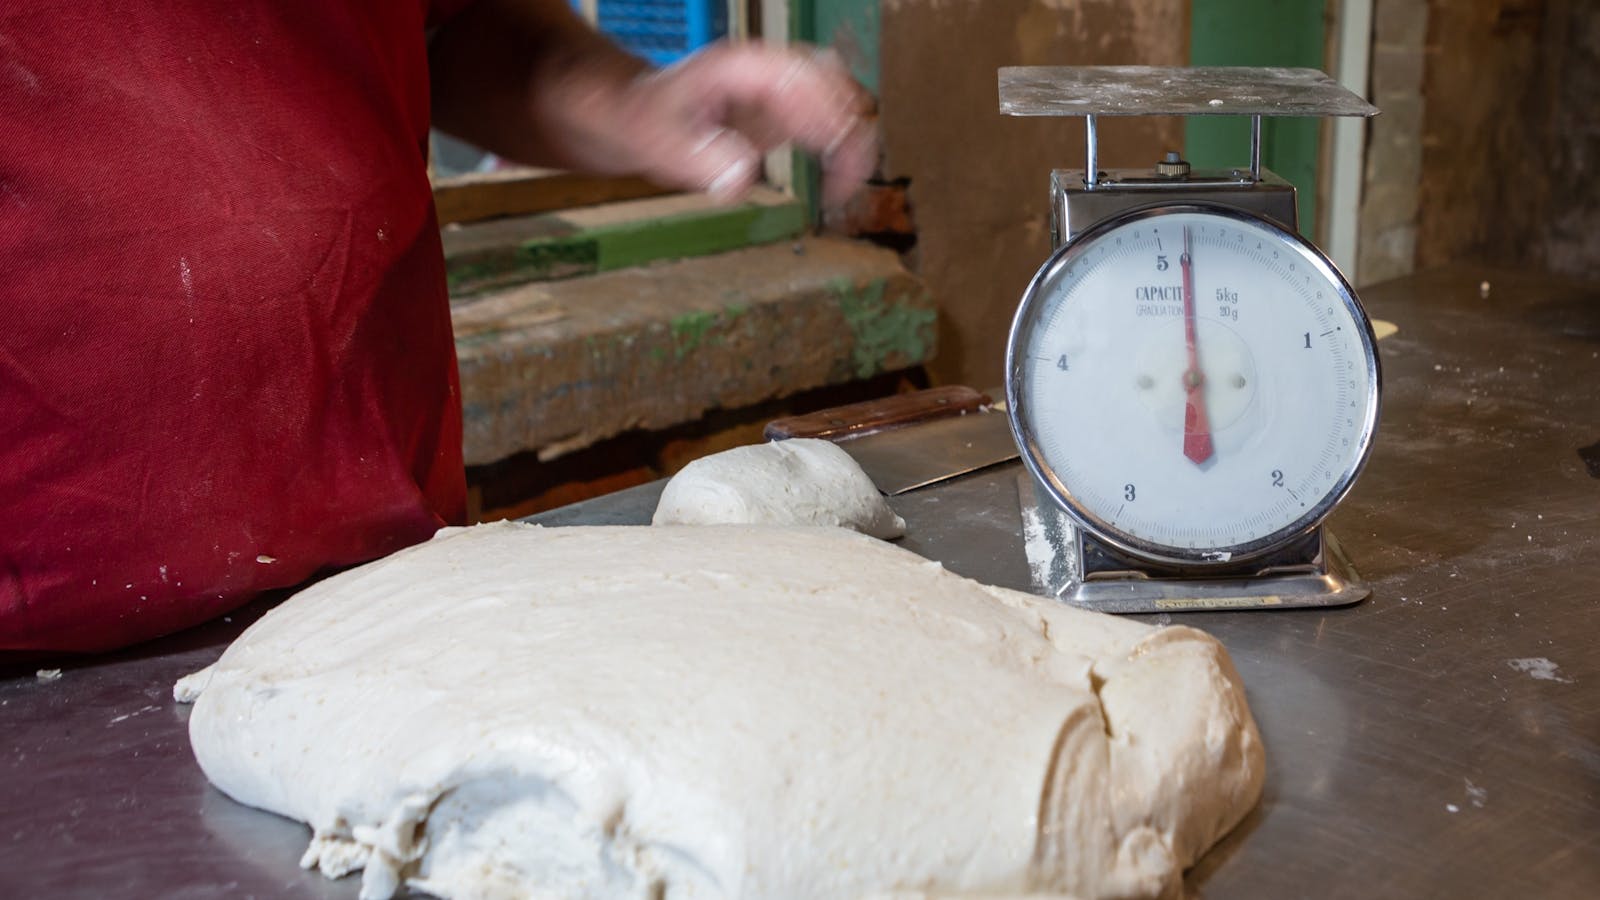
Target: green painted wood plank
pixel 805 175
pixel 1260 33
pixel 805 182
pixel 695 234
pixel 852 28
pixel 573 251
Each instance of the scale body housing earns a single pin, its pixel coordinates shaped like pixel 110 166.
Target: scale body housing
pixel 1307 569
pixel 1074 208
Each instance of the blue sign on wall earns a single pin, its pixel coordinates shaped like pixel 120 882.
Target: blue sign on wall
pixel 663 31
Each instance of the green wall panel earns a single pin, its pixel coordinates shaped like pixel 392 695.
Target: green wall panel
pixel 852 27
pixel 1260 33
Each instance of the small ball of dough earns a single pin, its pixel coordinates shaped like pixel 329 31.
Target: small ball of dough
pixel 795 482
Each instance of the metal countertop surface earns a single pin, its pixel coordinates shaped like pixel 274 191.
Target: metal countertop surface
pixel 1441 738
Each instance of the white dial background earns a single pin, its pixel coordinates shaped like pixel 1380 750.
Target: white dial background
pixel 1100 385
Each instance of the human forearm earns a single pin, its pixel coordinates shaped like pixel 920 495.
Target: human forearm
pixel 531 81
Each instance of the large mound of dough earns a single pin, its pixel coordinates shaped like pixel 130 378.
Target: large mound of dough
pixel 722 712
pixel 802 481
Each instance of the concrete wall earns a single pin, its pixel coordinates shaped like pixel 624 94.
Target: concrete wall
pixel 1511 137
pixel 1488 148
pixel 1389 212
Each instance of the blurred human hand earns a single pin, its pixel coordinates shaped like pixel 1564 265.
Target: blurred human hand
pixel 705 122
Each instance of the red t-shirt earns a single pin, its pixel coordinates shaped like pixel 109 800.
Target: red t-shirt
pixel 225 352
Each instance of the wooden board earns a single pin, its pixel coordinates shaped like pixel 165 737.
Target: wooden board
pixel 474 198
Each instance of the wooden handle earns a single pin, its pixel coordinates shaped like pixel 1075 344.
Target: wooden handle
pixel 878 415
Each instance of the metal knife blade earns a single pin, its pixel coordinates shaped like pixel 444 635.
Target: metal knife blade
pixel 908 441
pixel 915 456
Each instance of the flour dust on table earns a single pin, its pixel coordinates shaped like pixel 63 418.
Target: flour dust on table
pixel 722 712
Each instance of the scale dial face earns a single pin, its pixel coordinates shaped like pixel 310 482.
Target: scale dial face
pixel 1193 384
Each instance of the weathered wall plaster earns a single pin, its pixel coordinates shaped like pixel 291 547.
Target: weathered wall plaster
pixel 1511 138
pixel 977 180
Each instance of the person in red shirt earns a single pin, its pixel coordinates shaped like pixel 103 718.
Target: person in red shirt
pixel 225 352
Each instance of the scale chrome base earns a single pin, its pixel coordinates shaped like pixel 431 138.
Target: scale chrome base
pixel 1073 567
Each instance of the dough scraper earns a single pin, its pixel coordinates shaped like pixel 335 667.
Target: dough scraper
pixel 913 440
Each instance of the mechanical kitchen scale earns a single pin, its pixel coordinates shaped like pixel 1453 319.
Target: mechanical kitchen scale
pixel 1193 387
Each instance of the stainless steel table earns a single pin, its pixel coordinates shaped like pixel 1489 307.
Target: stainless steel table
pixel 1439 739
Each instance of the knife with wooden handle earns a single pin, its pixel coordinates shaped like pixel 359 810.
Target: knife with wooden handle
pixel 911 440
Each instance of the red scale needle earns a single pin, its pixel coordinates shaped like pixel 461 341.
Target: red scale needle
pixel 1196 428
